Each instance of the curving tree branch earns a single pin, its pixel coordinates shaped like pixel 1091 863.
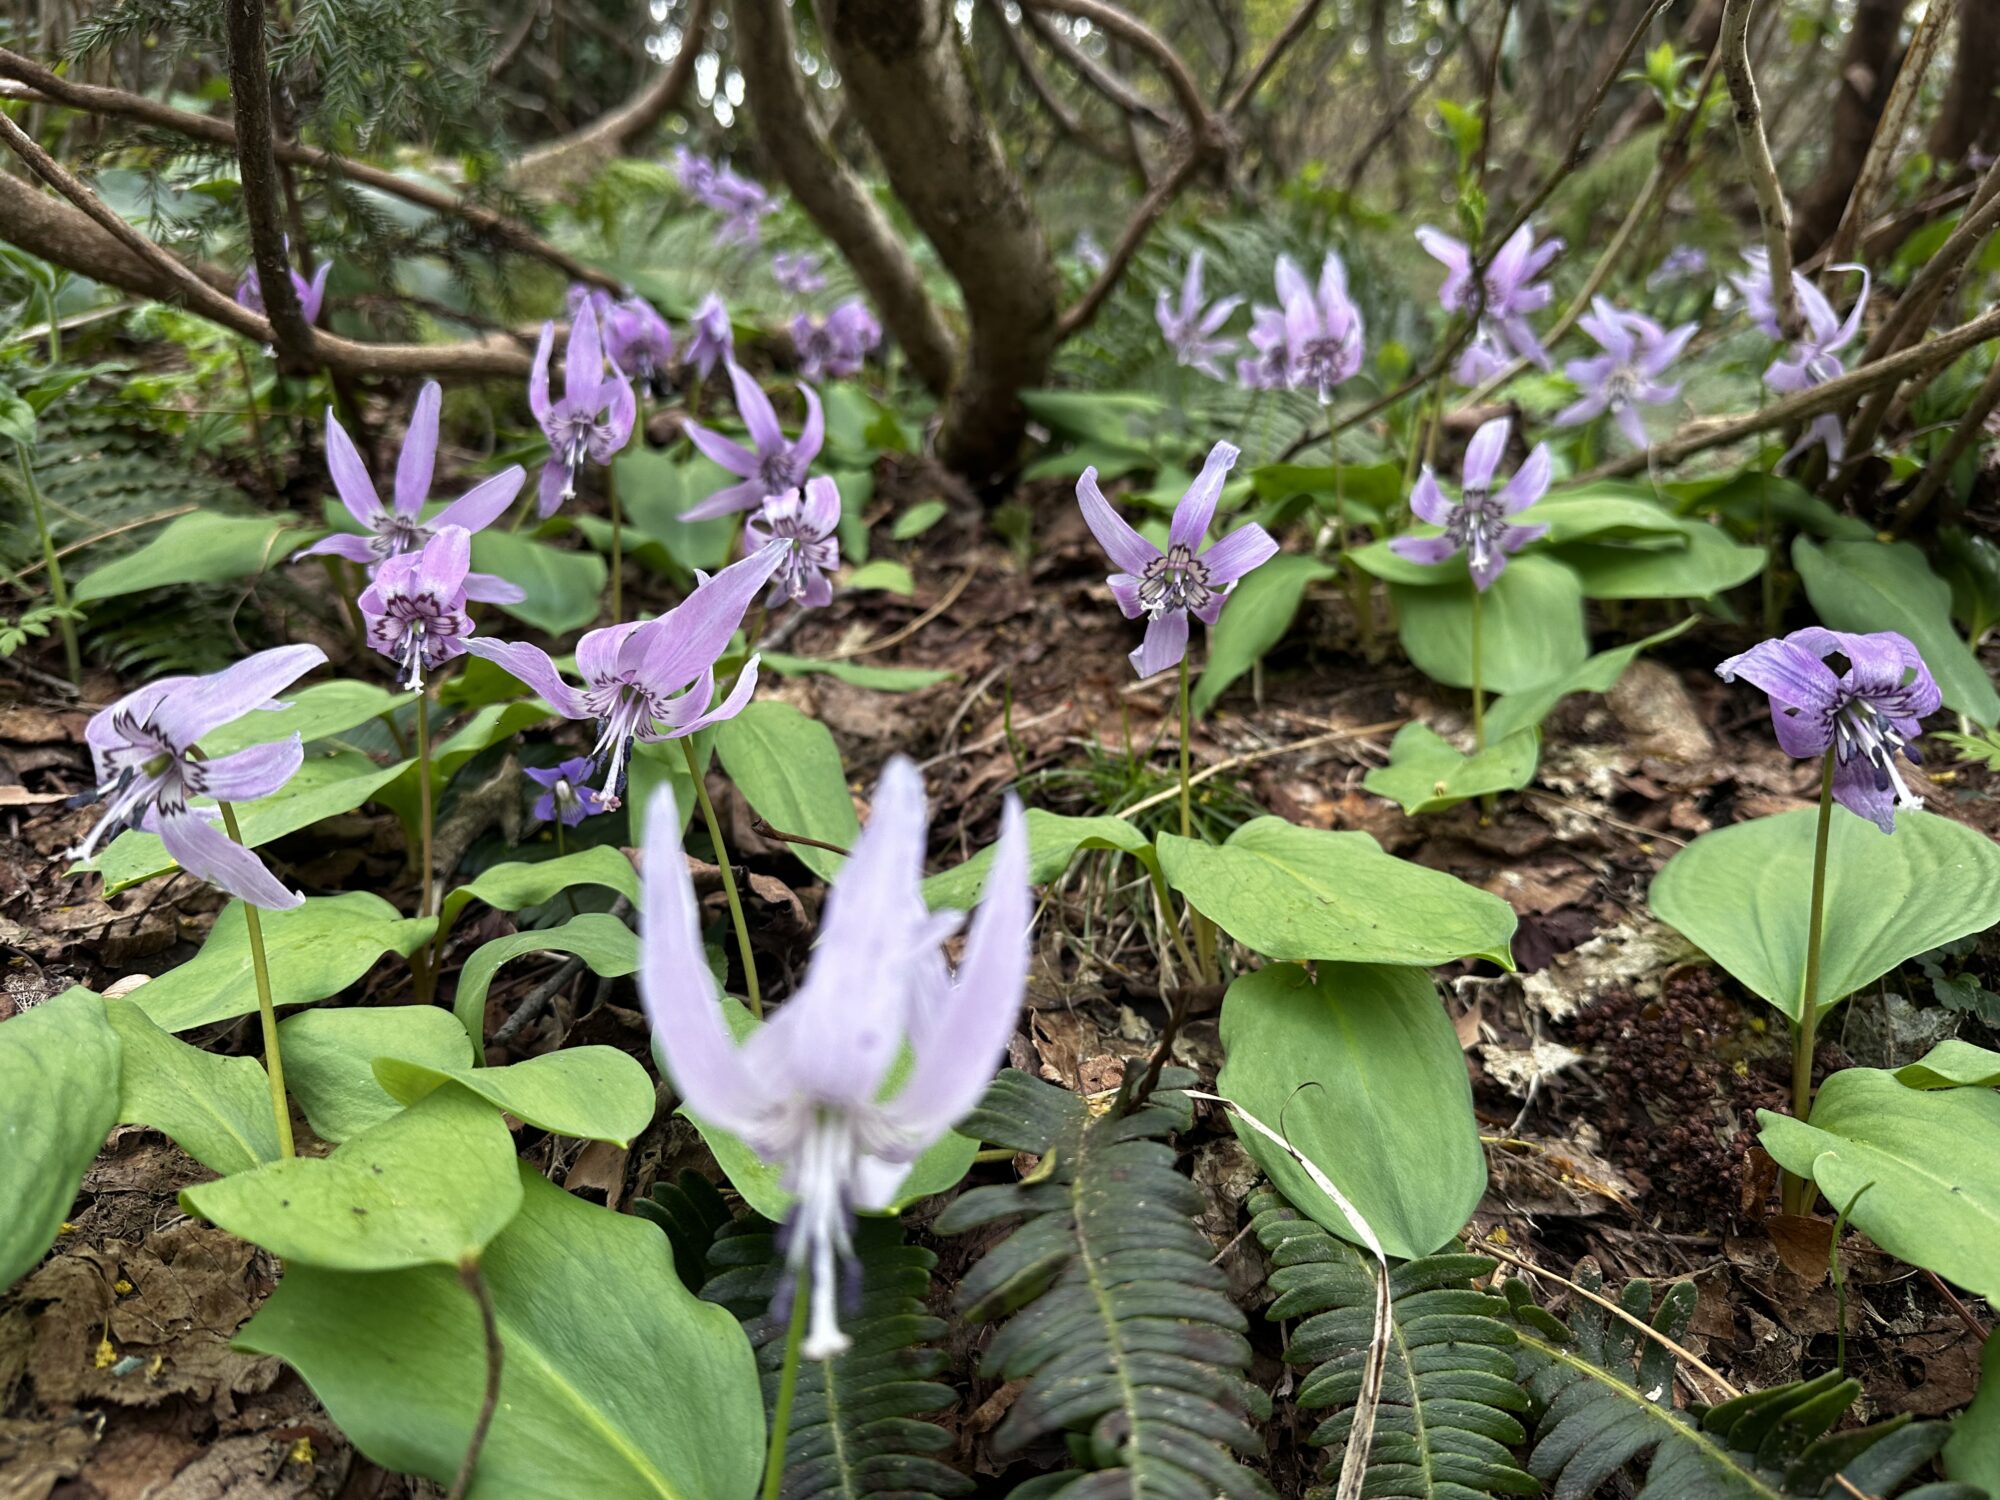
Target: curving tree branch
pixel 257 166
pixel 1117 150
pixel 1123 24
pixel 1126 99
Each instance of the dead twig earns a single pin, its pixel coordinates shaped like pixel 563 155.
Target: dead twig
pixel 1772 209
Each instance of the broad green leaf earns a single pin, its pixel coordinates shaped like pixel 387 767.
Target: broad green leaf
pixel 1929 1159
pixel 565 590
pixel 1742 895
pixel 1427 773
pixel 858 673
pixel 330 1060
pixel 313 713
pixel 603 942
pixel 1970 562
pixel 1531 623
pixel 1053 841
pixel 1104 418
pixel 760 1183
pixel 324 787
pixel 1303 893
pixel 215 1108
pixel 315 950
pixel 1527 707
pixel 655 488
pixel 1972 1456
pixel 1756 500
pixel 1374 486
pixel 1612 510
pixel 788 769
pixel 617 1380
pixel 592 1093
pixel 1868 586
pixel 1705 563
pixel 1361 1070
pixel 1952 1064
pixel 885 574
pixel 199 548
pixel 1259 612
pixel 511 886
pixel 430 1185
pixel 58 1101
pixel 918 519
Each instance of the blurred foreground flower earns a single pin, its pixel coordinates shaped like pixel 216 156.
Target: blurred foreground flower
pixel 1191 329
pixel 1478 524
pixel 415 608
pixel 805 1091
pixel 1166 587
pixel 1867 715
pixel 394 530
pixel 141 747
pixel 566 797
pixel 594 418
pixel 777 464
pixel 649 680
pixel 1637 352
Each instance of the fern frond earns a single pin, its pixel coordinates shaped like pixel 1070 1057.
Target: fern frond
pixel 1449 1389
pixel 692 1212
pixel 1122 1329
pixel 1605 1395
pixel 857 1420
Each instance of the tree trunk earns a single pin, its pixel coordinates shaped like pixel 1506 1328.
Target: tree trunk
pixel 1867 72
pixel 901 70
pixel 1970 120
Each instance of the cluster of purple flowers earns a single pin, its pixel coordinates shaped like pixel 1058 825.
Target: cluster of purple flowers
pixel 1312 340
pixel 1814 356
pixel 1508 290
pixel 837 345
pixel 742 204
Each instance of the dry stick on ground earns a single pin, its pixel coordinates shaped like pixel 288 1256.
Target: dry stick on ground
pixel 93 241
pixel 257 169
pixel 1772 210
pixel 117 104
pixel 1086 307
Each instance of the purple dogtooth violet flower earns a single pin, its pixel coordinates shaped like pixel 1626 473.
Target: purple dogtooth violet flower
pixel 797 272
pixel 415 608
pixel 805 524
pixel 141 748
pixel 804 1090
pixel 1323 332
pixel 696 173
pixel 1511 290
pixel 1190 328
pixel 1682 263
pixel 399 528
pixel 653 679
pixel 837 345
pixel 1482 358
pixel 1186 579
pixel 1268 366
pixel 1814 359
pixel 712 340
pixel 1479 525
pixel 638 341
pixel 775 465
pixel 1867 715
pixel 594 418
pixel 311 294
pixel 1626 376
pixel 596 297
pixel 565 795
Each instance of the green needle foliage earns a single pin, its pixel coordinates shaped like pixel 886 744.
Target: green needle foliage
pixel 1604 1393
pixel 858 1423
pixel 1121 1328
pixel 1449 1388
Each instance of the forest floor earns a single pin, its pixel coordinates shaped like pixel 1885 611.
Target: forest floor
pixel 1616 1079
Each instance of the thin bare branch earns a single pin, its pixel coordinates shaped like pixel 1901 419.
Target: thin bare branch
pixel 1772 209
pixel 1117 150
pixel 1273 55
pixel 1119 23
pixel 1889 129
pixel 1126 99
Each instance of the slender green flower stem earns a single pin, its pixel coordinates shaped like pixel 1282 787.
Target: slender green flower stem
pixel 1798 1192
pixel 708 816
pixel 267 1011
pixel 788 1388
pixel 58 590
pixel 1187 804
pixel 1478 670
pixel 1204 930
pixel 424 809
pixel 617 545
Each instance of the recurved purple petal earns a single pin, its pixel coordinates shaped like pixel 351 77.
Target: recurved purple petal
pixel 1484 452
pixel 609 436
pixel 252 772
pixel 1633 426
pixel 538 376
pixel 1530 481
pixel 1793 677
pixel 205 703
pixel 549 489
pixel 720 450
pixel 1488 572
pixel 754 407
pixel 209 854
pixel 1425 551
pixel 1125 590
pixel 1245 548
pixel 747 495
pixel 1427 501
pixel 341 544
pixel 733 703
pixel 583 356
pixel 696 631
pixel 1855 788
pixel 813 434
pixel 820 513
pixel 1197 507
pixel 483 504
pixel 1585 408
pixel 531 665
pixel 679 994
pixel 1128 551
pixel 442 565
pixel 490 588
pixel 414 465
pixel 1164 646
pixel 350 474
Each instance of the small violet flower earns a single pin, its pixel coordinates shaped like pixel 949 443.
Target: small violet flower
pixel 806 526
pixel 1815 359
pixel 415 608
pixel 837 345
pixel 140 747
pixel 394 530
pixel 1323 332
pixel 1510 286
pixel 798 272
pixel 1190 328
pixel 594 418
pixel 805 1090
pixel 565 795
pixel 648 680
pixel 713 339
pixel 1637 352
pixel 1867 715
pixel 1478 524
pixel 637 340
pixel 775 466
pixel 250 290
pixel 1167 587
